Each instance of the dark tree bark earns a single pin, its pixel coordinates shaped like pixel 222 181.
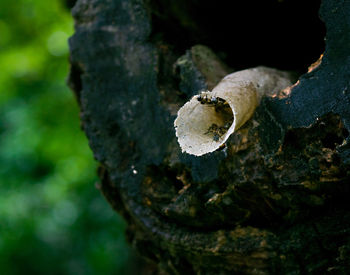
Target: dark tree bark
pixel 275 201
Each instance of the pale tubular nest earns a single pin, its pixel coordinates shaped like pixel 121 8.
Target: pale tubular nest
pixel 207 120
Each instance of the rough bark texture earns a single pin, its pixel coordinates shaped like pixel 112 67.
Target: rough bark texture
pixel 275 201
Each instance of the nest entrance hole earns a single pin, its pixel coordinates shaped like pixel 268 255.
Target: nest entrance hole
pixel 211 119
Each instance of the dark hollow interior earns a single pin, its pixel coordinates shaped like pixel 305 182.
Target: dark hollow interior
pixel 283 34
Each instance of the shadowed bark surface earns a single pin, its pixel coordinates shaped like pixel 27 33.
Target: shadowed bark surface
pixel 275 200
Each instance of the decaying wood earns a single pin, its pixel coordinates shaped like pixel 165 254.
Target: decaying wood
pixel 274 201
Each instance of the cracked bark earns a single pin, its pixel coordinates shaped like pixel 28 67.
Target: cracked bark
pixel 276 200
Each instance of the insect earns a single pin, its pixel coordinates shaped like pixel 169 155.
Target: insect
pixel 216 137
pixel 205 99
pixel 217 131
pixel 217 102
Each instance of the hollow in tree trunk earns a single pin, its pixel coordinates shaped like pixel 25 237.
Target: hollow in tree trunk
pixel 275 199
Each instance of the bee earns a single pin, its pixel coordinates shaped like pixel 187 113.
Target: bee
pixel 205 99
pixel 220 104
pixel 217 131
pixel 216 137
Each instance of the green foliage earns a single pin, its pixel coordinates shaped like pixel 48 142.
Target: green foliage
pixel 52 219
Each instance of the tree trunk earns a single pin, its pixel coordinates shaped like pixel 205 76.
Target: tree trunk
pixel 275 200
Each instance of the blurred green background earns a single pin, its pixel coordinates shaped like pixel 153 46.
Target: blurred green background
pixel 52 218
